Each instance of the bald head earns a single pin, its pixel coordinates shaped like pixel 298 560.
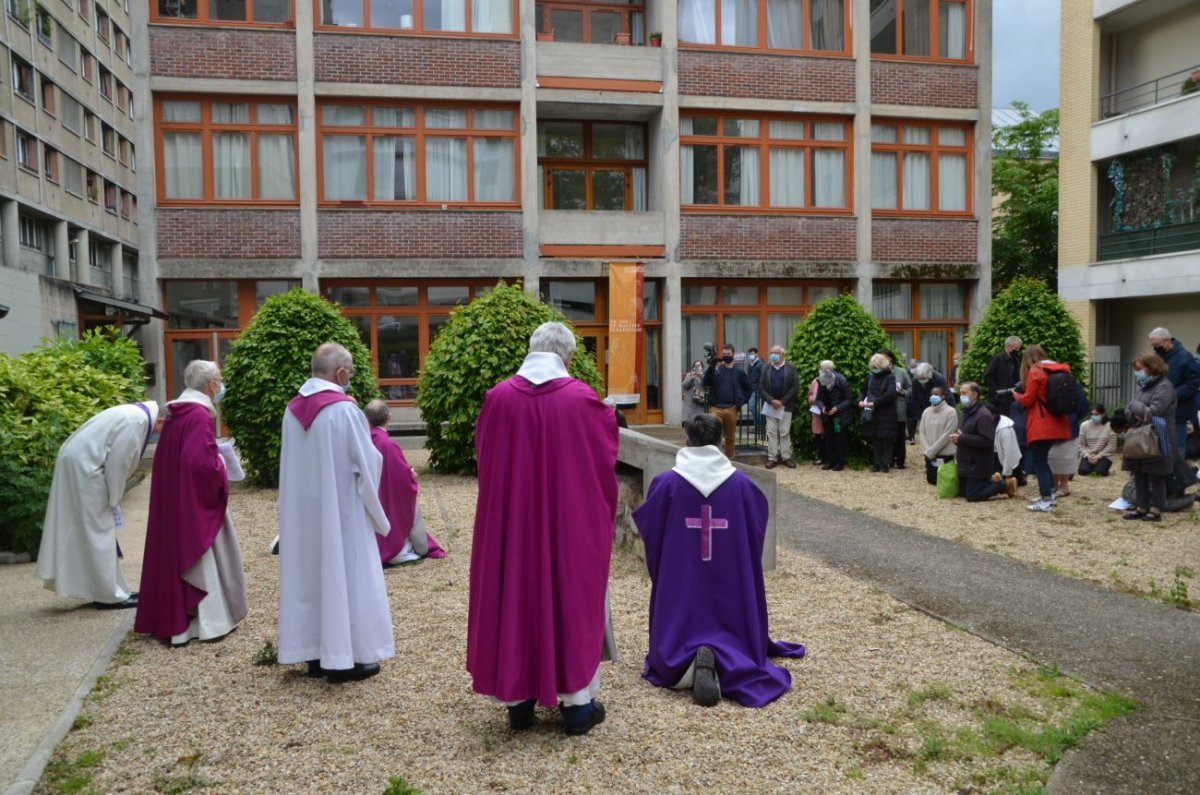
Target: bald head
pixel 378 414
pixel 328 359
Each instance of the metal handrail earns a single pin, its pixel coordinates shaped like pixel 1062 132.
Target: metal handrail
pixel 1144 95
pixel 1167 239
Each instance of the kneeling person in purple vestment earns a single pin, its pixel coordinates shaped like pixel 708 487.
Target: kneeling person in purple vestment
pixel 703 523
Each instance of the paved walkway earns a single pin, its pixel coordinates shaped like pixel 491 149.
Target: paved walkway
pixel 1147 651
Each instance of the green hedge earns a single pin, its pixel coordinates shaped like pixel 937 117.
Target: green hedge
pixel 483 343
pixel 44 396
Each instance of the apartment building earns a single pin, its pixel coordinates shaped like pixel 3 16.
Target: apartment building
pixel 1129 174
pixel 68 161
pixel 400 156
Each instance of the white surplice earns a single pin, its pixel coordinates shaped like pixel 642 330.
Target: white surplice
pixel 333 604
pixel 78 554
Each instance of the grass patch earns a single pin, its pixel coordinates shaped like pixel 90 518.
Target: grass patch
pixel 267 655
pixel 105 686
pixel 827 711
pixel 1051 740
pixel 398 786
pixel 934 691
pixel 168 784
pixel 65 777
pixel 81 723
pixel 854 774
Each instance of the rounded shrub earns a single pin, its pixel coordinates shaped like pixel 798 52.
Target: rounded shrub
pixel 270 361
pixel 840 330
pixel 483 343
pixel 1028 309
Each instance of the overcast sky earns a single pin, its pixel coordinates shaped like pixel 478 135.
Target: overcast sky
pixel 1025 53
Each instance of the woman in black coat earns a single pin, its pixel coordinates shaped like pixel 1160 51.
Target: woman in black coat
pixel 879 395
pixel 1155 398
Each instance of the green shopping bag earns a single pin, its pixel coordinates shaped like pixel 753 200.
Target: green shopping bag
pixel 947 481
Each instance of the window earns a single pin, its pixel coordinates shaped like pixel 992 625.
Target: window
pixel 925 320
pixel 48 96
pixel 785 162
pixel 920 167
pixel 20 11
pixel 89 126
pixel 126 204
pixel 87 65
pixel 112 197
pixel 45 27
pixel 106 83
pixel 72 113
pixel 585 165
pixel 102 25
pixel 227 150
pixel 484 17
pixel 68 50
pixel 418 154
pixel 4 139
pixel 123 147
pixel 100 262
pixel 27 152
pixel 795 25
pixel 73 177
pixel 93 187
pixel 216 12
pixel 31 233
pixel 50 159
pixel 84 8
pixel 22 75
pixel 122 97
pixel 936 29
pixel 130 274
pixel 108 140
pixel 597 23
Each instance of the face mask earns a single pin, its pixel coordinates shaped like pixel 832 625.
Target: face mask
pixel 876 370
pixel 220 394
pixel 775 357
pixel 963 399
pixel 727 359
pixel 1141 375
pixel 1095 418
pixel 935 400
pixel 825 378
pixel 697 367
pixel 922 381
pixel 752 358
pixel 1160 350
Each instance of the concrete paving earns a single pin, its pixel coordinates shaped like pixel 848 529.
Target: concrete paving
pixel 1147 651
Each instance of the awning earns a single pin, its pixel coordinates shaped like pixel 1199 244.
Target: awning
pixel 122 312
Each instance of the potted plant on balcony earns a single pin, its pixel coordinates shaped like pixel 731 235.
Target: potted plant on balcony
pixel 547 34
pixel 621 38
pixel 656 38
pixel 1191 84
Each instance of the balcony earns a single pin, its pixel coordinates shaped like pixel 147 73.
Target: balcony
pixel 592 22
pixel 1151 93
pixel 1167 239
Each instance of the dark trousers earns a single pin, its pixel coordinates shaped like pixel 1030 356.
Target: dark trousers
pixel 837 443
pixel 882 444
pixel 980 489
pixel 899 445
pixel 1101 467
pixel 1041 466
pixel 931 470
pixel 820 439
pixel 1149 491
pixel 911 426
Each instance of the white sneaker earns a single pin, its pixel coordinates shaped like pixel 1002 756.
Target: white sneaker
pixel 1041 506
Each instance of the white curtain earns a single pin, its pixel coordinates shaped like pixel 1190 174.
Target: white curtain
pixel 393 117
pixel 891 301
pixel 785 24
pixel 741 331
pixel 639 189
pixel 393 168
pixel 739 23
pixel 916 181
pixel 180 111
pixel 493 119
pixel 952 30
pixel 829 178
pixel 344 115
pixel 697 330
pixel 494 170
pixel 453 14
pixel 273 114
pixel 780 328
pixel 828 25
pixel 391 14
pixel 940 301
pixel 446 118
pixel 746 179
pixel 790 130
pixel 345 158
pixel 883 180
pixel 637 27
pixel 698 21
pixel 635 142
pixel 787 177
pixel 491 16
pixel 687 170
pixel 183 162
pixel 446 169
pixel 952 182
pixel 276 166
pixel 230 112
pixel 916 27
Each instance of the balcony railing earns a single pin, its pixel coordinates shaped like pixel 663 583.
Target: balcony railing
pixel 1148 94
pixel 1168 239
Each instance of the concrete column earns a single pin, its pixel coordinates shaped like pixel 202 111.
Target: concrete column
pixel 665 147
pixel 83 265
pixel 530 209
pixel 62 250
pixel 117 255
pixel 672 343
pixel 864 266
pixel 981 291
pixel 306 105
pixel 10 233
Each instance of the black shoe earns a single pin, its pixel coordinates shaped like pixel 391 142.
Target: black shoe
pixel 359 672
pixel 1152 517
pixel 885 470
pixel 125 604
pixel 1135 515
pixel 315 671
pixel 594 718
pixel 900 466
pixel 521 716
pixel 875 469
pixel 828 466
pixel 839 468
pixel 706 687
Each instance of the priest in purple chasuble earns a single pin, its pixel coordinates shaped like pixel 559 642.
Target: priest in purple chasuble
pixel 407 541
pixel 193 586
pixel 547 452
pixel 703 524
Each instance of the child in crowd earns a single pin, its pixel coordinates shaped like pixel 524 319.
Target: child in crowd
pixel 1097 443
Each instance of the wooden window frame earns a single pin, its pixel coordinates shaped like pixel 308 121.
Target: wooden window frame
pixel 49 97
pixel 50 161
pixel 28 159
pixel 106 86
pixel 934 22
pixel 587 163
pixel 914 318
pixel 934 149
pixel 111 187
pixel 202 18
pixel 207 128
pixel 104 147
pixel 87 65
pixel 586 9
pixel 418 28
pixel 806 32
pixel 20 66
pixel 85 9
pixel 765 143
pixel 419 133
pixel 103 25
pixel 93 184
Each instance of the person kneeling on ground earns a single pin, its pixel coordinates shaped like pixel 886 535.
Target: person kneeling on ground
pixel 708 607
pixel 938 422
pixel 976 439
pixel 1097 443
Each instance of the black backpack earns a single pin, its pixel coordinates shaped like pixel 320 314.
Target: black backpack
pixel 1063 394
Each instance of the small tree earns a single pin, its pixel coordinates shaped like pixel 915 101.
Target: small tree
pixel 483 343
pixel 1025 175
pixel 1032 311
pixel 840 330
pixel 271 360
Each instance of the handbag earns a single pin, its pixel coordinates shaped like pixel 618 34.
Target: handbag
pixel 698 396
pixel 1141 443
pixel 868 414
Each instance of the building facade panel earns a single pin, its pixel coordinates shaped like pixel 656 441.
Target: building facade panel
pixel 764 237
pixel 924 84
pixel 732 74
pixel 224 53
pixel 357 58
pixel 932 240
pixel 186 233
pixel 356 234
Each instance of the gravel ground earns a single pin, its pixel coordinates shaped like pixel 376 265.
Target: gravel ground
pixel 1081 537
pixel 879 682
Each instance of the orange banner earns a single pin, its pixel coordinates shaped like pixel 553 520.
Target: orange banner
pixel 625 338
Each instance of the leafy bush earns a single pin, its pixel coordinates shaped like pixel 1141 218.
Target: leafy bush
pixel 483 343
pixel 840 330
pixel 1032 311
pixel 44 396
pixel 270 361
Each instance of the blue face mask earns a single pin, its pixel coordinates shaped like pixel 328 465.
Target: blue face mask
pixel 774 358
pixel 1095 418
pixel 1141 376
pixel 220 394
pixel 965 400
pixel 876 370
pixel 935 400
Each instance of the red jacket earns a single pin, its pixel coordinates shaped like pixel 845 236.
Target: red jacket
pixel 1040 424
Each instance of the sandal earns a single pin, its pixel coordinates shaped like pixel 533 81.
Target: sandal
pixel 1135 515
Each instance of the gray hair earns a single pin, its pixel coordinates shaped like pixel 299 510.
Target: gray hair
pixel 1012 341
pixel 1160 333
pixel 880 361
pixel 553 338
pixel 924 370
pixel 328 357
pixel 378 413
pixel 199 372
pixel 825 364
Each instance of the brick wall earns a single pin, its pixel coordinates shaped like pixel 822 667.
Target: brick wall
pixel 924 240
pixel 362 234
pixel 346 58
pixel 766 237
pixel 734 74
pixel 935 85
pixel 179 51
pixel 186 233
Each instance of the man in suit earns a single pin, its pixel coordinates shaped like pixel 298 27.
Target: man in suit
pixel 777 390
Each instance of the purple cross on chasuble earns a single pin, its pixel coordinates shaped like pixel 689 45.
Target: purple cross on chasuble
pixel 706 524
